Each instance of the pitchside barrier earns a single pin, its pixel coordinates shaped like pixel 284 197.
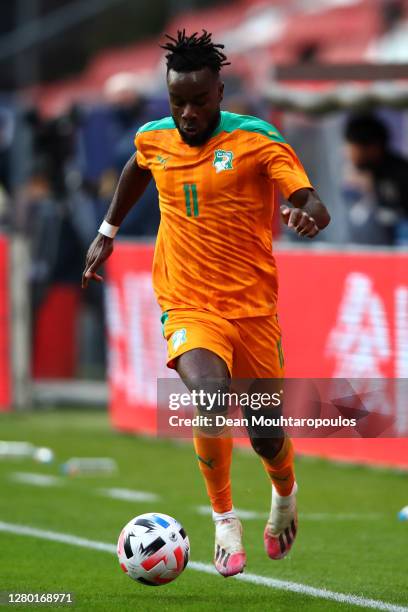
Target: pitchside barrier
pixel 5 353
pixel 343 315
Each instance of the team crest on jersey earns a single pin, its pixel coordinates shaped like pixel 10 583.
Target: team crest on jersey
pixel 179 337
pixel 223 160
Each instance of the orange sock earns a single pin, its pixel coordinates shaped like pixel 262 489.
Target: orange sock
pixel 281 468
pixel 214 458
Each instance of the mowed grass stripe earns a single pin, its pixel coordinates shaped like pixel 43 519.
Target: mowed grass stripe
pixel 283 585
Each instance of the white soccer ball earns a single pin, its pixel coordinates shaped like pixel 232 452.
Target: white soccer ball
pixel 43 455
pixel 153 549
pixel 403 514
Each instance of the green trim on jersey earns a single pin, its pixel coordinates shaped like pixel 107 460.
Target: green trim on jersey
pixel 231 122
pixel 167 123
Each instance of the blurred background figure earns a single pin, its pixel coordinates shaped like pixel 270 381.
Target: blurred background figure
pixel 7 132
pixel 6 139
pixel 55 211
pixel 39 219
pixel 131 108
pixel 377 194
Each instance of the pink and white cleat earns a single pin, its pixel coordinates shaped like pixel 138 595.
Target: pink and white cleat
pixel 281 528
pixel 229 556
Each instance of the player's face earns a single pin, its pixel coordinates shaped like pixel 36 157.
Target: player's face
pixel 195 99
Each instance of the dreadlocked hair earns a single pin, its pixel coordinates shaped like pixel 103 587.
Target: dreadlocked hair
pixel 188 53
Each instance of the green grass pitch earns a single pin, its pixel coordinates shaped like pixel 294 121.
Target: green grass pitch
pixel 357 545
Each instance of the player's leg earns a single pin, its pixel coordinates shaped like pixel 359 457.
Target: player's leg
pixel 281 527
pixel 261 357
pixel 201 369
pixel 188 334
pixel 199 348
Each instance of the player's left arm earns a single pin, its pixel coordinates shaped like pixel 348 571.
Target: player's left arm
pixel 308 216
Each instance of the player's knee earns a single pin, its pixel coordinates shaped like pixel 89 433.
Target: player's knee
pixel 199 367
pixel 267 448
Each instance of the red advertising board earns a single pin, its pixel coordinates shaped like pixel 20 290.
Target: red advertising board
pixel 5 373
pixel 343 315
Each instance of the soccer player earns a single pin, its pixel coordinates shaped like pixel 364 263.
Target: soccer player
pixel 214 274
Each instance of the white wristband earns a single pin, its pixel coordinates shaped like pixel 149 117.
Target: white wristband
pixel 108 230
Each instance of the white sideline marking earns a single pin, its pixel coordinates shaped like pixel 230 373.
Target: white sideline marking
pixel 38 480
pixel 304 516
pixel 282 585
pixel 129 495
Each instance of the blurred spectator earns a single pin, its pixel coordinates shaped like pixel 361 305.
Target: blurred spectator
pixel 54 210
pixel 4 204
pixel 54 141
pixel 392 13
pixel 124 92
pixel 6 137
pixel 377 186
pixel 391 46
pixel 58 230
pixel 38 216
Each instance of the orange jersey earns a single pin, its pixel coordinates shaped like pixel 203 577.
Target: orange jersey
pixel 214 246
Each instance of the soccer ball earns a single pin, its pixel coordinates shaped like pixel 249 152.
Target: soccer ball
pixel 153 549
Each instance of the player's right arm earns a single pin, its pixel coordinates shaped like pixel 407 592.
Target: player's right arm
pixel 132 183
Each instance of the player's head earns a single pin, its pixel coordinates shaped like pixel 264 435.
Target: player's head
pixel 195 88
pixel 367 137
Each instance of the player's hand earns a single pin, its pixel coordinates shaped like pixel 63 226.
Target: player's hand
pixel 299 220
pixel 98 253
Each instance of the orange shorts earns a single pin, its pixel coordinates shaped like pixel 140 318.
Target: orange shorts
pixel 251 347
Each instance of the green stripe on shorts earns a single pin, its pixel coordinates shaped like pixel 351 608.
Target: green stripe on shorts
pixel 280 352
pixel 163 320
